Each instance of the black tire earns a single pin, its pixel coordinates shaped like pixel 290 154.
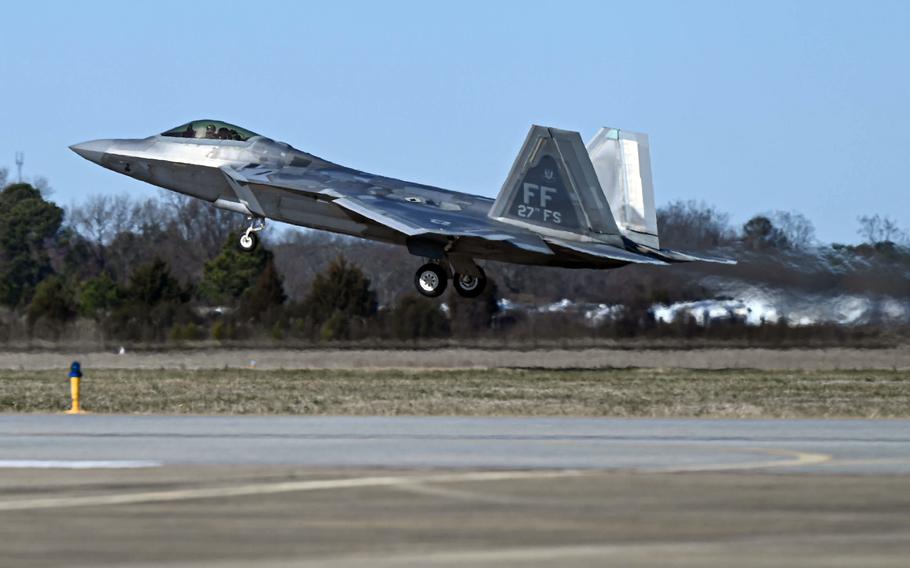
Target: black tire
pixel 250 246
pixel 469 287
pixel 431 280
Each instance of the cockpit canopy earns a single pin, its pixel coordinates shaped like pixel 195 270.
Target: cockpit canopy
pixel 210 130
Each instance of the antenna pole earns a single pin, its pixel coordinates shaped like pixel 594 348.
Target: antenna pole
pixel 20 159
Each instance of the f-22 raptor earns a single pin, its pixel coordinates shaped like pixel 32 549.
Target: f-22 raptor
pixel 563 203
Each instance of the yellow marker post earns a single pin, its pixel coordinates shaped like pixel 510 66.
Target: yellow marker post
pixel 75 377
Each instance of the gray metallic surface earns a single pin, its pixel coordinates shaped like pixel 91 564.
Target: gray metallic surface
pixel 252 174
pixel 553 189
pixel 622 161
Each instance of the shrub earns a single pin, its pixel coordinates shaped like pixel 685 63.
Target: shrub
pixel 416 317
pixel 229 275
pixel 99 295
pixel 224 330
pixel 186 332
pixel 53 301
pixel 262 300
pixel 470 316
pixel 338 295
pixel 336 327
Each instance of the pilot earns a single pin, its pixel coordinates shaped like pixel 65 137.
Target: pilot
pixel 190 132
pixel 210 132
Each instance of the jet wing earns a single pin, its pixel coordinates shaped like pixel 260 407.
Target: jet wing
pixel 421 213
pixel 413 220
pixel 412 210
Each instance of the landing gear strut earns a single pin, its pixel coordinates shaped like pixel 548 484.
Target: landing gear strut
pixel 249 240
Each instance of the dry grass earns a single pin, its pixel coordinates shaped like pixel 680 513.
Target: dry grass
pixel 497 392
pixel 650 356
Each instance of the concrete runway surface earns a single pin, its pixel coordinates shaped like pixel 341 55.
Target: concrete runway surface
pixel 412 491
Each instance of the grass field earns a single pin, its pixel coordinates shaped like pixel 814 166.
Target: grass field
pixel 496 392
pixel 642 356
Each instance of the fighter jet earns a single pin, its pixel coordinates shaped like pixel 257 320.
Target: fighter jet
pixel 563 203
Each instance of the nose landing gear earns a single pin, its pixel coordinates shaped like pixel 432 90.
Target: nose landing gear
pixel 249 240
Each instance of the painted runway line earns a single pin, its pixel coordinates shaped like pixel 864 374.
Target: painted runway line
pixel 272 488
pixel 416 481
pixel 796 459
pixel 78 464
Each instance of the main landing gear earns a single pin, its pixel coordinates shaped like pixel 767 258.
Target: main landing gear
pixel 249 240
pixel 470 286
pixel 431 280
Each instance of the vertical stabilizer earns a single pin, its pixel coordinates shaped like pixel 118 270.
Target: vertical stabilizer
pixel 553 190
pixel 622 161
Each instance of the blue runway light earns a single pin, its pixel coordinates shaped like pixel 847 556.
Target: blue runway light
pixel 75 370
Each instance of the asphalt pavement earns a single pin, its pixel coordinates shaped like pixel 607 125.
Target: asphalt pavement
pixel 99 490
pixel 834 446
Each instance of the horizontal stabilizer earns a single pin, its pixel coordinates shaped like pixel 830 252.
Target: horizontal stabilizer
pixel 670 255
pixel 603 252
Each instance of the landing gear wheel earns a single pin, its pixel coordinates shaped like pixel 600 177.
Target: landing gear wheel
pixel 248 241
pixel 431 280
pixel 469 286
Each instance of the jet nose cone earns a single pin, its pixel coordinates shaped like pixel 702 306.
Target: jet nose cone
pixel 92 150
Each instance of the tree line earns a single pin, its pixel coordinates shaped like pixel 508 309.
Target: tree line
pixel 166 269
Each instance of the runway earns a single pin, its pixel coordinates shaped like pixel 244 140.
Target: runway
pixel 449 491
pixel 834 446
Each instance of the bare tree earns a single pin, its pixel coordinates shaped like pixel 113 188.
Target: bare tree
pixel 42 184
pixel 149 217
pixel 693 225
pixel 201 223
pixel 796 227
pixel 878 229
pixel 759 233
pixel 102 217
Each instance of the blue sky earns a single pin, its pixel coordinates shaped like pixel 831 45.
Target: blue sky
pixel 750 107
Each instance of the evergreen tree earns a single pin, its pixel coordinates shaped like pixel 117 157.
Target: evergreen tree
pixel 27 224
pixel 154 301
pixel 342 288
pixel 759 233
pixel 152 284
pixel 261 301
pixel 340 296
pixel 226 277
pixel 416 317
pixel 53 301
pixel 99 295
